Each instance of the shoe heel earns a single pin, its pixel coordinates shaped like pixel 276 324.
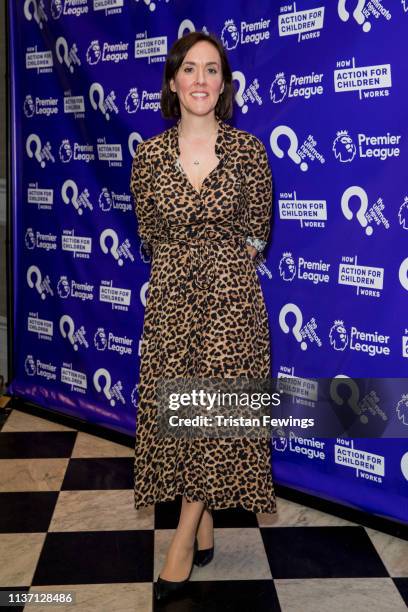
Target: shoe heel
pixel 203 557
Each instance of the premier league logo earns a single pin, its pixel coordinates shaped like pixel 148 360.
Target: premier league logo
pixel 279 88
pixel 230 35
pixel 338 336
pixel 287 267
pixel 344 148
pixel 132 101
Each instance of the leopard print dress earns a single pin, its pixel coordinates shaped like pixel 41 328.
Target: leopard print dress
pixel 205 313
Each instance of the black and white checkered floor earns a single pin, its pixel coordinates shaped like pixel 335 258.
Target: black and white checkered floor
pixel 67 521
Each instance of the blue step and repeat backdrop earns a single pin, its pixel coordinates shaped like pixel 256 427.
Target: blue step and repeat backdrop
pixel 324 85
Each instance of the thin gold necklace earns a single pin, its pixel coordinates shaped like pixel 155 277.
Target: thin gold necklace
pixel 196 162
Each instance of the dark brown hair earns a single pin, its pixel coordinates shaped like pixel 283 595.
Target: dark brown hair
pixel 169 102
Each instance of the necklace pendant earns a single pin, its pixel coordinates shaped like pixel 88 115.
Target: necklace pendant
pixel 196 162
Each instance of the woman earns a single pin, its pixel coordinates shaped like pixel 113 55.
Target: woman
pixel 203 200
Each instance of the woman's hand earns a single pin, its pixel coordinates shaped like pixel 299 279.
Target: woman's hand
pixel 252 251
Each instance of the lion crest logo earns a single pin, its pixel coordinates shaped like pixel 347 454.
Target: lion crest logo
pixel 403 214
pixel 93 53
pixel 100 339
pixel 287 267
pixel 402 409
pixel 63 287
pixel 338 336
pixel 132 101
pixel 344 148
pixel 230 35
pixel 65 151
pixel 279 88
pixel 29 106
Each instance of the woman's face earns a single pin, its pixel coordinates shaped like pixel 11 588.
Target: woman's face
pixel 199 82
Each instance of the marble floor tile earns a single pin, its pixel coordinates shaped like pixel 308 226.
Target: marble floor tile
pixel 19 556
pixel 339 595
pixel 99 511
pixel 393 551
pixel 239 554
pixel 32 474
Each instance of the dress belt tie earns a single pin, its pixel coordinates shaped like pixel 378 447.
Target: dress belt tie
pixel 199 238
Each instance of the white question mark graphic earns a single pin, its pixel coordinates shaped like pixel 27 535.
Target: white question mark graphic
pixel 239 76
pixel 35 271
pixel 285 310
pixel 134 137
pixel 37 154
pixel 352 401
pixel 403 273
pixel 70 184
pixel 35 14
pixel 355 190
pixel 185 25
pixel 66 319
pixel 110 233
pixel 103 373
pixel 284 130
pixel 357 14
pixel 98 89
pixel 61 42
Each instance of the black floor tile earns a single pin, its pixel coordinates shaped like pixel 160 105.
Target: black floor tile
pixel 36 444
pixel 96 557
pixel 321 552
pixel 167 513
pixel 20 589
pixel 26 512
pixel 224 596
pixel 100 473
pixel 402 586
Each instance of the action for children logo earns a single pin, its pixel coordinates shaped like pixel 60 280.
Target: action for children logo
pixel 304 86
pixel 381 147
pixel 314 271
pixel 153 48
pixel 109 52
pixel 371 81
pixel 373 343
pixel 306 24
pixel 248 32
pixel 403 214
pixel 41 61
pixel 368 466
pixel 298 154
pixel 364 10
pixel 368 280
pixel 310 213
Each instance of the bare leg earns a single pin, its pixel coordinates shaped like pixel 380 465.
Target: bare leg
pixel 205 531
pixel 180 554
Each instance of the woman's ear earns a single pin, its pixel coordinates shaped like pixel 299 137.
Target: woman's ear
pixel 172 86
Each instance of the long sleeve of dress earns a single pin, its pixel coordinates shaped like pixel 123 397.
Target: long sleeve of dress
pixel 140 186
pixel 258 196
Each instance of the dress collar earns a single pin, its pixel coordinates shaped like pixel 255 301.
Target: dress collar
pixel 221 144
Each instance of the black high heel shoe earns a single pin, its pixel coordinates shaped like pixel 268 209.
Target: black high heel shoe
pixel 202 557
pixel 163 589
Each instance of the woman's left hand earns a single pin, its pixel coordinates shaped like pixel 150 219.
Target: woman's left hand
pixel 252 251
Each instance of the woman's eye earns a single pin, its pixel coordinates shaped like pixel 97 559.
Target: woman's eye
pixel 187 69
pixel 213 70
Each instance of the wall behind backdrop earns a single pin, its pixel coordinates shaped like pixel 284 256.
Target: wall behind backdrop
pixel 323 84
